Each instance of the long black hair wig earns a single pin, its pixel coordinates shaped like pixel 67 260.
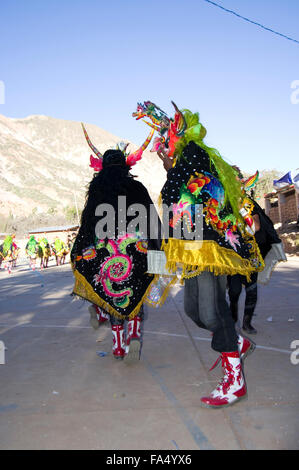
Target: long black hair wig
pixel 105 188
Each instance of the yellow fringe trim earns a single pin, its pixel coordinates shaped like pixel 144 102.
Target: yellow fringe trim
pixel 83 289
pixel 207 256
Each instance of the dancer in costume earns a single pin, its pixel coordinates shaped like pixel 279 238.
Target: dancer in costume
pixel 70 241
pixel 64 253
pixel 206 248
pixel 44 252
pixel 59 250
pixel 31 250
pixel 266 238
pixel 15 253
pixel 8 252
pixel 111 271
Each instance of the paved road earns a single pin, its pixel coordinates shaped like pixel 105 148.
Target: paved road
pixel 59 392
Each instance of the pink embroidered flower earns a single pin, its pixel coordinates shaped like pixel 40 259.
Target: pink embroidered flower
pixel 232 239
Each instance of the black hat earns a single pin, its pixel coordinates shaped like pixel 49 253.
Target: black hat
pixel 114 157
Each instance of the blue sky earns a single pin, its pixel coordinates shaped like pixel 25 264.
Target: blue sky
pixel 92 60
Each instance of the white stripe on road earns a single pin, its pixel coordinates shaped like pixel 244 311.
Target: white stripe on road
pixel 198 338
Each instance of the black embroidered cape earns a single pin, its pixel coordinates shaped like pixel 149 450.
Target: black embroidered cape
pixel 112 272
pixel 224 248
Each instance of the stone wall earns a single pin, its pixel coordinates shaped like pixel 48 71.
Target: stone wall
pixel 288 207
pixel 282 207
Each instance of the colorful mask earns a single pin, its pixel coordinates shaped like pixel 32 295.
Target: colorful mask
pixel 170 130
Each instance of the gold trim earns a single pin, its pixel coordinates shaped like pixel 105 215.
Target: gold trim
pixel 83 289
pixel 209 257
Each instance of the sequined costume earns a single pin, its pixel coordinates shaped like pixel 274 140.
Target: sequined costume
pixel 210 235
pixel 110 269
pixel 112 273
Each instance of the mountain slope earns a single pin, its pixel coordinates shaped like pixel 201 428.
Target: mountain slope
pixel 44 164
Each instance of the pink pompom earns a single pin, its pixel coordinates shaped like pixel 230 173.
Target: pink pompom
pixel 96 163
pixel 133 158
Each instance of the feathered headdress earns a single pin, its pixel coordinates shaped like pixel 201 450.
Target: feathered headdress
pixel 131 158
pixel 177 132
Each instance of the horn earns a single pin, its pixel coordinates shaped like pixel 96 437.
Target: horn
pixel 147 141
pixel 93 148
pixel 133 158
pixel 156 128
pixel 182 121
pixel 251 181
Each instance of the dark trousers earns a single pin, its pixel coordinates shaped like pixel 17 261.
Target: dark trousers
pixel 205 304
pixel 235 284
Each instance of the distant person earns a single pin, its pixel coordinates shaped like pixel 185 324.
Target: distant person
pixel 265 236
pixel 59 249
pixel 44 252
pixel 9 252
pixel 31 251
pixel 15 253
pixel 69 242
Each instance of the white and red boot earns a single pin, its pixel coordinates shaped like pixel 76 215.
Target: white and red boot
pixel 245 346
pixel 118 347
pixel 232 387
pixel 133 339
pixel 97 316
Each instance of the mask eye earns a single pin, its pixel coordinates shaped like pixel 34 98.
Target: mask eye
pixel 167 142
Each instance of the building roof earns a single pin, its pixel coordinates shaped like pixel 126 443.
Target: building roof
pixel 59 228
pixel 285 189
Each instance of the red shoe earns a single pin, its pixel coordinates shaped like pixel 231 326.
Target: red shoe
pixel 232 387
pixel 103 316
pixel 133 339
pixel 97 316
pixel 118 347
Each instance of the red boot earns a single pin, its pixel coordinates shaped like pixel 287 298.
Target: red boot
pixel 118 347
pixel 97 316
pixel 133 339
pixel 245 346
pixel 232 387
